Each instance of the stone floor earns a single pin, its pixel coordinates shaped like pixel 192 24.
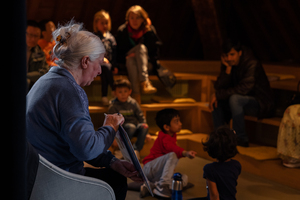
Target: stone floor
pixel 249 186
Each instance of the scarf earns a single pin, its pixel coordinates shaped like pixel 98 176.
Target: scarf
pixel 135 34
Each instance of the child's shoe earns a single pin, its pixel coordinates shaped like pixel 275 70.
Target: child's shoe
pixel 162 191
pixel 144 192
pixel 147 87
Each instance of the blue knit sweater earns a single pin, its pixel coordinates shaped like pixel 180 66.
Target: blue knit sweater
pixel 59 125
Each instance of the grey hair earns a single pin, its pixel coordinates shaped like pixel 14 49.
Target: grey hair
pixel 73 43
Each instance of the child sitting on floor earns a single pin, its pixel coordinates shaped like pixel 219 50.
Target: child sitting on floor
pixel 159 165
pixel 221 176
pixel 135 123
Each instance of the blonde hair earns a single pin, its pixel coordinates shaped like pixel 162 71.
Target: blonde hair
pixel 102 14
pixel 73 43
pixel 136 9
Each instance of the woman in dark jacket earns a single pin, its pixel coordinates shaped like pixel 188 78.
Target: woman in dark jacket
pixel 137 48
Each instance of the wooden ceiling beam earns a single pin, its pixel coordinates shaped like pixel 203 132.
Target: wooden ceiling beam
pixel 208 26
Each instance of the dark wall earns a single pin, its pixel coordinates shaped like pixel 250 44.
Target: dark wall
pixel 14 97
pixel 270 27
pixel 174 20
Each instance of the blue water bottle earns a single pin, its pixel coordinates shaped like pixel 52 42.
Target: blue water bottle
pixel 177 187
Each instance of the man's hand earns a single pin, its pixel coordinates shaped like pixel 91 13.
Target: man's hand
pixel 113 120
pixel 213 102
pixel 126 169
pixel 189 154
pixel 228 67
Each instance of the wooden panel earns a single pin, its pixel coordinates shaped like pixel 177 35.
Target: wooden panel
pixel 270 28
pixel 208 26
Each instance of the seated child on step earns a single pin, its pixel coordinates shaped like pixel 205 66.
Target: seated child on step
pixel 221 176
pixel 102 26
pixel 135 123
pixel 159 165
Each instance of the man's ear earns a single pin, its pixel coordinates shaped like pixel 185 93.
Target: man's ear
pixel 240 52
pixel 130 91
pixel 166 127
pixel 84 62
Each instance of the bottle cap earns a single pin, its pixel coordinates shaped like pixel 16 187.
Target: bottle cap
pixel 177 176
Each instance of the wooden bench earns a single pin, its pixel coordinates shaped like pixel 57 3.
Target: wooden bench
pixel 191 118
pixel 197 116
pixel 98 109
pixel 201 76
pixel 212 69
pixel 274 121
pixel 197 83
pixel 262 131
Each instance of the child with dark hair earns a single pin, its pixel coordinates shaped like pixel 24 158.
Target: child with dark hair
pixel 159 165
pixel 221 176
pixel 135 123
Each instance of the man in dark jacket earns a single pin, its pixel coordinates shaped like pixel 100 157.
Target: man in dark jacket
pixel 241 88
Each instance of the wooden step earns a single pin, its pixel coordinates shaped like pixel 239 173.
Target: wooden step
pixel 98 109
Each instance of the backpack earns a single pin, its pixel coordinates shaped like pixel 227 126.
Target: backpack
pixel 167 77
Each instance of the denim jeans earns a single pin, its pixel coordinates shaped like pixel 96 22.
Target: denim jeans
pixel 140 131
pixel 137 66
pixel 235 108
pixel 107 79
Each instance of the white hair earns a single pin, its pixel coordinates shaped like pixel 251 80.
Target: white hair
pixel 73 43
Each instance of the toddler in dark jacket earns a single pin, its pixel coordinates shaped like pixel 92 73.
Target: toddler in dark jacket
pixel 221 176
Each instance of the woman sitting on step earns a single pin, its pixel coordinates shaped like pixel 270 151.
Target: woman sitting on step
pixel 288 144
pixel 138 49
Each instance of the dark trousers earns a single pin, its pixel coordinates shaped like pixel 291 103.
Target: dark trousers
pixel 140 131
pixel 235 108
pixel 114 179
pixel 107 79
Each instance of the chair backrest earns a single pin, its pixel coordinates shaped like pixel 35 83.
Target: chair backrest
pixel 53 183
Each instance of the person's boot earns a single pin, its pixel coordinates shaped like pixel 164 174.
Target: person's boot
pixel 147 87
